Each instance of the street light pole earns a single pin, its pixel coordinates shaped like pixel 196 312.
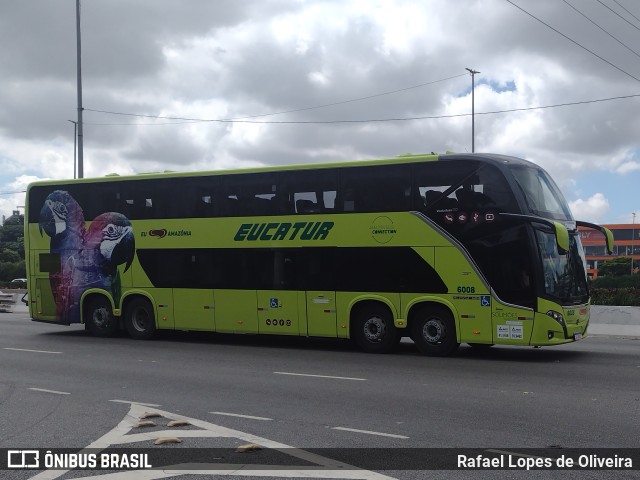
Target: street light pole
pixel 79 69
pixel 75 142
pixel 473 106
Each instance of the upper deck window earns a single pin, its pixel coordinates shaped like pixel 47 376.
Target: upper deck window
pixel 541 194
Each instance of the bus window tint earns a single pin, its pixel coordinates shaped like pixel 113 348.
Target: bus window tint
pixel 541 194
pixel 462 192
pixel 312 191
pixel 384 188
pixel 504 257
pixel 251 195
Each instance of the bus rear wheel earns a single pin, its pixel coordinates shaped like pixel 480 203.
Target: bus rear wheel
pixel 140 320
pixel 100 320
pixel 374 330
pixel 434 332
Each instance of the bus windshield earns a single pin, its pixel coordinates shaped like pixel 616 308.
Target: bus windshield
pixel 563 275
pixel 541 193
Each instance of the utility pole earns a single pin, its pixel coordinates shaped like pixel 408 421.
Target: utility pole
pixel 75 142
pixel 473 106
pixel 79 70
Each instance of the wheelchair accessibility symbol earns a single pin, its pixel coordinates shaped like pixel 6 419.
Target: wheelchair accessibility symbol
pixel 273 303
pixel 485 300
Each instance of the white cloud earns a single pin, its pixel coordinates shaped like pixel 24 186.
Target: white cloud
pixel 628 167
pixel 251 58
pixel 593 209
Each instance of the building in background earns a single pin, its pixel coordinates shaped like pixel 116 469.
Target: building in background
pixel 627 244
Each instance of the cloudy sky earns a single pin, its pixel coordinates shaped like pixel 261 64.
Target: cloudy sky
pixel 278 66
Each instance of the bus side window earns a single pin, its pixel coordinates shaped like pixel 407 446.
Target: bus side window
pixel 205 205
pixel 329 200
pixel 431 197
pixel 231 206
pixel 49 262
pixel 306 206
pixel 252 195
pixel 471 200
pixel 434 201
pixel 311 191
pixel 384 188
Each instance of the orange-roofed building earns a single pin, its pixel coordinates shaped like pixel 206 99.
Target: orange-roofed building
pixel 626 244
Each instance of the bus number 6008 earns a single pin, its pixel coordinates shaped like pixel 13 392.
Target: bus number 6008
pixel 466 289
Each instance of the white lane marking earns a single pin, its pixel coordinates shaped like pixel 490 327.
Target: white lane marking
pixel 27 350
pixel 392 435
pixel 129 402
pixel 49 391
pixel 321 376
pixel 251 417
pixel 122 434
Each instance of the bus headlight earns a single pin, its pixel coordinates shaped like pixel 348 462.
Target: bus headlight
pixel 556 316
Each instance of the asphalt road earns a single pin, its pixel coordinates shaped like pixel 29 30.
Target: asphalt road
pixel 62 388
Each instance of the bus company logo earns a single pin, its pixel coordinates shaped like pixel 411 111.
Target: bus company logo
pixel 163 232
pixel 160 233
pixel 383 230
pixel 283 231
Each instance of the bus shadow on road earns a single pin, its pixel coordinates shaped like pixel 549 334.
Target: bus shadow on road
pixel 521 354
pixel 465 352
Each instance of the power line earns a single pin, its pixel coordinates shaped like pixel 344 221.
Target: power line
pixel 13 193
pixel 368 97
pixel 616 13
pixel 352 100
pixel 622 6
pixel 605 31
pixel 288 111
pixel 268 114
pixel 573 41
pixel 372 120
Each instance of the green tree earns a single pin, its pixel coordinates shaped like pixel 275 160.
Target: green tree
pixel 11 270
pixel 616 267
pixel 12 263
pixel 9 256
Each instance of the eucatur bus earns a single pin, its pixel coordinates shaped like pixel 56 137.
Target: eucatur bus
pixel 445 249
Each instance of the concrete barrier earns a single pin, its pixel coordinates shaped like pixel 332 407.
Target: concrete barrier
pixel 615 315
pixel 619 321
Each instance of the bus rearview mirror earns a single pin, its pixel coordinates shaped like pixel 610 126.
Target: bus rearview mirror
pixel 562 238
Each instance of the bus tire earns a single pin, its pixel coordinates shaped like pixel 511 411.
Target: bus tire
pixel 100 320
pixel 140 320
pixel 434 331
pixel 374 330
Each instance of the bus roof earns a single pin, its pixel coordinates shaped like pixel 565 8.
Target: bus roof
pixel 498 160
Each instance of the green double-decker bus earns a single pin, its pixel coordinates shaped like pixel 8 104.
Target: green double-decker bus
pixel 445 249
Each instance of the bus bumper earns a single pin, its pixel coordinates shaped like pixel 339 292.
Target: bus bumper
pixel 552 329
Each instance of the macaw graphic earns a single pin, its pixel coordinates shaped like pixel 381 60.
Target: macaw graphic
pixel 62 219
pixel 90 257
pixel 108 242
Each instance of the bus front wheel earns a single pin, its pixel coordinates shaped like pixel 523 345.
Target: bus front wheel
pixel 374 330
pixel 140 319
pixel 100 320
pixel 434 332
